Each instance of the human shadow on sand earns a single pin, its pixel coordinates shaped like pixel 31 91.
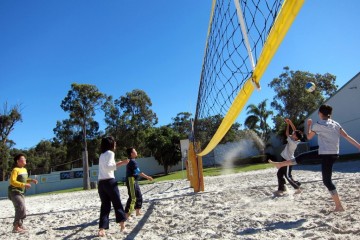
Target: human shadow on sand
pixel 141 223
pixel 274 226
pixel 78 228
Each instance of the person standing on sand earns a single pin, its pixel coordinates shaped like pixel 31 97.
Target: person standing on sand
pixel 329 132
pixel 135 199
pixel 19 182
pixel 107 188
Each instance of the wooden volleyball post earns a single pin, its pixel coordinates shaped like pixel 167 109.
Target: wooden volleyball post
pixel 195 168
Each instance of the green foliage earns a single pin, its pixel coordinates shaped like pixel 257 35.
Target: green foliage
pixel 258 119
pixel 182 124
pixel 206 128
pixel 164 143
pixel 8 118
pixel 129 120
pixel 81 103
pixel 291 99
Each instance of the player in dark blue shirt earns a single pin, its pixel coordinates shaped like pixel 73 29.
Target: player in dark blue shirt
pixel 133 172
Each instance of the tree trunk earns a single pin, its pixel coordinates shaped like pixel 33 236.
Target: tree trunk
pixel 166 169
pixel 86 177
pixel 4 156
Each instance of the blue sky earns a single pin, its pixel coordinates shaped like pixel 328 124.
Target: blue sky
pixel 156 46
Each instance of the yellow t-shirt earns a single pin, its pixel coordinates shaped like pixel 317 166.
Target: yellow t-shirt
pixel 18 179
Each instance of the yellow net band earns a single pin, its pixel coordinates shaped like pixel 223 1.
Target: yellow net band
pixel 286 16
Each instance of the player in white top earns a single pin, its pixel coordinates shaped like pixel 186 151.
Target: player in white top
pixel 288 153
pixel 108 189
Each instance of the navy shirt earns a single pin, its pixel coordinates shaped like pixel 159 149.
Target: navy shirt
pixel 132 169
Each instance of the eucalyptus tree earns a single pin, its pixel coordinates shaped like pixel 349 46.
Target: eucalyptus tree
pixel 129 119
pixel 8 118
pixel 182 124
pixel 206 128
pixel 81 103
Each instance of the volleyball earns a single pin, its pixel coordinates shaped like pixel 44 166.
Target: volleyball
pixel 310 86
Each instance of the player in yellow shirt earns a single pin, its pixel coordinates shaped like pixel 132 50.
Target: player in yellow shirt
pixel 19 182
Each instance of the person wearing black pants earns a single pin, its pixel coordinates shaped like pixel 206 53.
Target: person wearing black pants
pixel 285 172
pixel 109 194
pixel 327 162
pixel 133 172
pixel 288 153
pixel 107 188
pixel 329 132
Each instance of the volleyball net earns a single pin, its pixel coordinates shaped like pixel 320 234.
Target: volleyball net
pixel 243 36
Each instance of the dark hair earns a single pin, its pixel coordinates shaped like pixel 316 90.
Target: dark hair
pixel 326 110
pixel 129 151
pixel 16 158
pixel 107 143
pixel 299 134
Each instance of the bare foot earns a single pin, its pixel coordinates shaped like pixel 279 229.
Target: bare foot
pixel 138 213
pixel 122 226
pixel 276 164
pixel 298 191
pixel 101 232
pixel 17 229
pixel 339 209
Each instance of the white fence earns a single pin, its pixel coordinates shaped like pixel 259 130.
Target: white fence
pixel 74 178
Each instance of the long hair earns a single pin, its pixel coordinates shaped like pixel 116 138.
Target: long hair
pixel 107 143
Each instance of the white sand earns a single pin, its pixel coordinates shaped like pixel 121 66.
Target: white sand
pixel 235 206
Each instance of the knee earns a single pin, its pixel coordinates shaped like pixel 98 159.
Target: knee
pixel 329 184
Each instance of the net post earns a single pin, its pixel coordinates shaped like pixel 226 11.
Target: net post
pixel 195 168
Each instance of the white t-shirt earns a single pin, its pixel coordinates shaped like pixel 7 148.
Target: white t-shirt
pixel 107 165
pixel 289 150
pixel 328 132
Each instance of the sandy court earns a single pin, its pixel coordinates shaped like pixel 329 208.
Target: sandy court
pixel 233 206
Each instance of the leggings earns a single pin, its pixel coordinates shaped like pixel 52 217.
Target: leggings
pixel 327 162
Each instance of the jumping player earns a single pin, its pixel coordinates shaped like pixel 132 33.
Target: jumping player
pixel 329 132
pixel 288 153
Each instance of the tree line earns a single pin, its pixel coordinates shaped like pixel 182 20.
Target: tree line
pixel 132 122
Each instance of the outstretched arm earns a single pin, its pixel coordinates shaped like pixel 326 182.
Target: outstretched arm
pixel 292 125
pixel 287 132
pixel 349 138
pixel 310 134
pixel 122 162
pixel 146 176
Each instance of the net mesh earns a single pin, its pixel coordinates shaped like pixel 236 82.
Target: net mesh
pixel 227 64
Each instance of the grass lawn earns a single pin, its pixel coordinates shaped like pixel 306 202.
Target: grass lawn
pixel 213 171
